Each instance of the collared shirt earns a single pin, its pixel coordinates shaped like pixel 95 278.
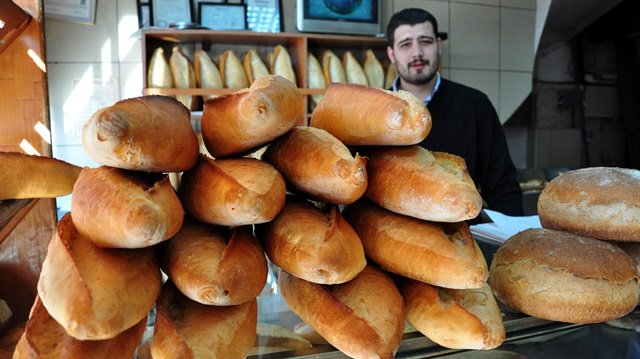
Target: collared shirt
pixel 396 86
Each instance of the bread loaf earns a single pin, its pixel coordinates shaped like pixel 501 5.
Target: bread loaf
pixel 315 76
pixel 597 202
pixel 96 293
pixel 159 72
pixel 27 176
pixel 253 66
pixel 443 254
pixel 454 318
pixel 354 72
pixel 373 69
pixel 243 121
pixel 281 64
pixel 392 74
pixel 207 73
pixel 359 115
pixel 332 68
pixel 233 75
pixel 148 133
pixel 45 338
pixel 560 276
pixel 188 330
pixel 214 265
pixel 232 192
pixel 184 76
pixel 125 209
pixel 318 164
pixel 362 318
pixel 320 247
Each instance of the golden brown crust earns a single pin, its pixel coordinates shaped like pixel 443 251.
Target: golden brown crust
pixel 27 176
pixel 248 119
pixel 363 318
pixel 320 247
pixel 45 338
pixel 215 266
pixel 148 133
pixel 253 66
pixel 441 254
pixel 454 318
pixel 95 293
pixel 189 330
pixel 332 68
pixel 232 192
pixel 597 202
pixel 434 186
pixel 360 115
pixel 125 209
pixel 559 276
pixel 318 164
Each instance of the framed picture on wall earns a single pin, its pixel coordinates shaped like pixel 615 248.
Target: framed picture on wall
pixel 217 16
pixel 167 12
pixel 264 15
pixel 144 14
pixel 80 11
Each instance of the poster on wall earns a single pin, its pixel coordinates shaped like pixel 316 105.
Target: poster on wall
pixel 78 11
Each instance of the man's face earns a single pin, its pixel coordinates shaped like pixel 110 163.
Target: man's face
pixel 416 51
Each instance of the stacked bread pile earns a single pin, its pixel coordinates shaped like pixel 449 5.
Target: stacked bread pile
pixel 572 270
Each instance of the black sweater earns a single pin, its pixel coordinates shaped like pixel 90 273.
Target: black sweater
pixel 466 124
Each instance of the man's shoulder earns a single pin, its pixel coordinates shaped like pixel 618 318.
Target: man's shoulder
pixel 461 89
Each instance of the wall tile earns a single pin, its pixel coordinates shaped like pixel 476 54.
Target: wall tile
pixel 474 40
pixel 130 80
pixel 521 4
pixel 485 81
pixel 514 89
pixel 517 39
pixel 129 37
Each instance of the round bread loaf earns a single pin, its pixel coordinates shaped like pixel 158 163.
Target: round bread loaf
pixel 125 209
pixel 188 330
pixel 148 133
pixel 45 338
pixel 597 202
pixel 320 247
pixel 363 318
pixel 232 192
pixel 361 115
pixel 245 120
pixel 434 186
pixel 96 293
pixel 215 266
pixel 318 164
pixel 454 318
pixel 564 277
pixel 443 254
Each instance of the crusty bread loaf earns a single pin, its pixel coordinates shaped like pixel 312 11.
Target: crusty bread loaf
pixel 96 293
pixel 253 66
pixel 362 318
pixel 188 330
pixel 184 76
pixel 243 121
pixel 232 192
pixel 443 254
pixel 392 73
pixel 434 186
pixel 215 265
pixel 148 133
pixel 373 69
pixel 281 64
pixel 315 162
pixel 597 202
pixel 27 176
pixel 45 338
pixel 207 73
pixel 233 75
pixel 454 318
pixel 320 247
pixel 353 70
pixel 332 68
pixel 125 209
pixel 315 76
pixel 564 277
pixel 360 115
pixel 159 72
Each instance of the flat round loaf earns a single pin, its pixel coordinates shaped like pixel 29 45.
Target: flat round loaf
pixel 27 176
pixel 96 293
pixel 188 330
pixel 564 277
pixel 45 338
pixel 125 209
pixel 315 162
pixel 315 245
pixel 443 254
pixel 434 186
pixel 454 318
pixel 148 133
pixel 232 192
pixel 214 265
pixel 597 202
pixel 245 120
pixel 363 318
pixel 361 115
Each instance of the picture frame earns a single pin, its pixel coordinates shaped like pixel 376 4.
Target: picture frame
pixel 264 15
pixel 144 15
pixel 217 16
pixel 195 6
pixel 77 11
pixel 167 12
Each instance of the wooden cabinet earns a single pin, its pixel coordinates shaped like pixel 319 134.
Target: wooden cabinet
pixel 216 42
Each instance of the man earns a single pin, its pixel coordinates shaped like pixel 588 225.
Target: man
pixel 464 120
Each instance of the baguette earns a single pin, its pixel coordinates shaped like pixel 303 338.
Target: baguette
pixel 373 70
pixel 159 72
pixel 354 72
pixel 315 76
pixel 184 76
pixel 281 65
pixel 233 75
pixel 332 68
pixel 392 74
pixel 207 73
pixel 253 66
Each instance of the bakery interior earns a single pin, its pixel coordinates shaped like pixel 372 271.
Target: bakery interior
pixel 562 75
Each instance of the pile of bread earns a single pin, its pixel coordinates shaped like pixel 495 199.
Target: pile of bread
pixel 231 71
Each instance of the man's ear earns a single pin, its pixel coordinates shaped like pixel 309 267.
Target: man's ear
pixel 440 47
pixel 391 55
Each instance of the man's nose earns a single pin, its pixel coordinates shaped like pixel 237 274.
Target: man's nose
pixel 418 51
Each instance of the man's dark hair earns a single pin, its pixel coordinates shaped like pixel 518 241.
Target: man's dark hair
pixel 410 16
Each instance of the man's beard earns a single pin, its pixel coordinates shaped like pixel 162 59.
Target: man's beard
pixel 419 79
